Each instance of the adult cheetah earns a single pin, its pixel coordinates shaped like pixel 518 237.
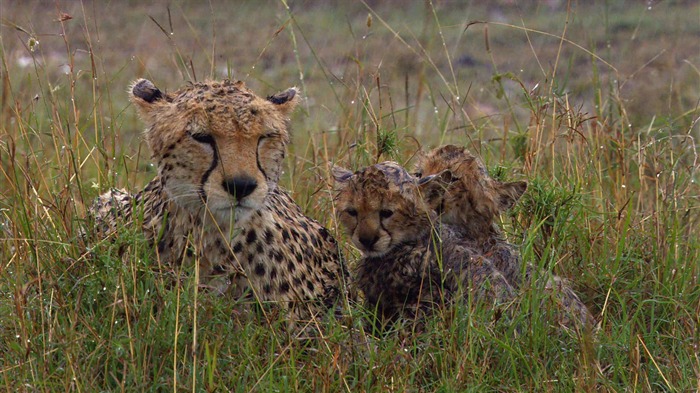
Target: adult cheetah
pixel 409 264
pixel 219 150
pixel 471 203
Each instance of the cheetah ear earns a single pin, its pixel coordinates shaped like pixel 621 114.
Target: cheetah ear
pixel 286 101
pixel 147 98
pixel 341 175
pixel 433 188
pixel 420 161
pixel 509 193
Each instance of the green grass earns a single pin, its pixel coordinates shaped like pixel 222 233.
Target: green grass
pixel 596 105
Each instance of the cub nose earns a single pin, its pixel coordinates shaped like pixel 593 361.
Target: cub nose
pixel 368 241
pixel 240 187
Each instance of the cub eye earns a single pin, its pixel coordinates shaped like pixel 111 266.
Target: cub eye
pixel 385 213
pixel 203 138
pixel 351 212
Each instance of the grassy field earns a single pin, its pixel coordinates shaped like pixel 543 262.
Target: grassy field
pixel 596 105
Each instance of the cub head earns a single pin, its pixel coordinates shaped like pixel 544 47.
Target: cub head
pixel 473 199
pixel 383 206
pixel 216 143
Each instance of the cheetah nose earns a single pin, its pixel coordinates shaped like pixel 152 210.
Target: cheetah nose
pixel 368 241
pixel 240 187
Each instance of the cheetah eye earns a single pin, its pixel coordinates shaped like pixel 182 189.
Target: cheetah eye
pixel 203 138
pixel 385 213
pixel 351 212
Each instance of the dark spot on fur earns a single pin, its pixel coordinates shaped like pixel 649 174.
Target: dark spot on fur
pixel 161 246
pixel 324 233
pixel 284 287
pixel 285 235
pixel 260 269
pixel 251 237
pixel 237 247
pixel 269 237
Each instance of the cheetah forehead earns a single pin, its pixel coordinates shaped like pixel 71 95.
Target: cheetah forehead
pixel 393 173
pixel 450 152
pixel 384 179
pixel 457 159
pixel 215 92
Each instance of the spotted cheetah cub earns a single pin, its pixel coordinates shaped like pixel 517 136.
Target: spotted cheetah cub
pixel 219 150
pixel 408 265
pixel 472 202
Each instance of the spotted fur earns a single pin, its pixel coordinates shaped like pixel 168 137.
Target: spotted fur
pixel 219 150
pixel 471 203
pixel 409 264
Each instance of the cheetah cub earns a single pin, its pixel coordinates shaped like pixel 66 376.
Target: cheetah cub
pixel 409 264
pixel 219 150
pixel 471 202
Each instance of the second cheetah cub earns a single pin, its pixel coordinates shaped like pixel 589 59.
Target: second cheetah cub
pixel 471 202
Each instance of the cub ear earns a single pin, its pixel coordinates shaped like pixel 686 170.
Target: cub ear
pixel 433 188
pixel 341 175
pixel 509 193
pixel 286 101
pixel 421 156
pixel 147 98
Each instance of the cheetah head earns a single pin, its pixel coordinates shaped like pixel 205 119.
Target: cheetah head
pixel 383 206
pixel 216 144
pixel 473 199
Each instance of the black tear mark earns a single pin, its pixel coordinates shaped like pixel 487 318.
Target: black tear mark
pixel 213 165
pixel 257 157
